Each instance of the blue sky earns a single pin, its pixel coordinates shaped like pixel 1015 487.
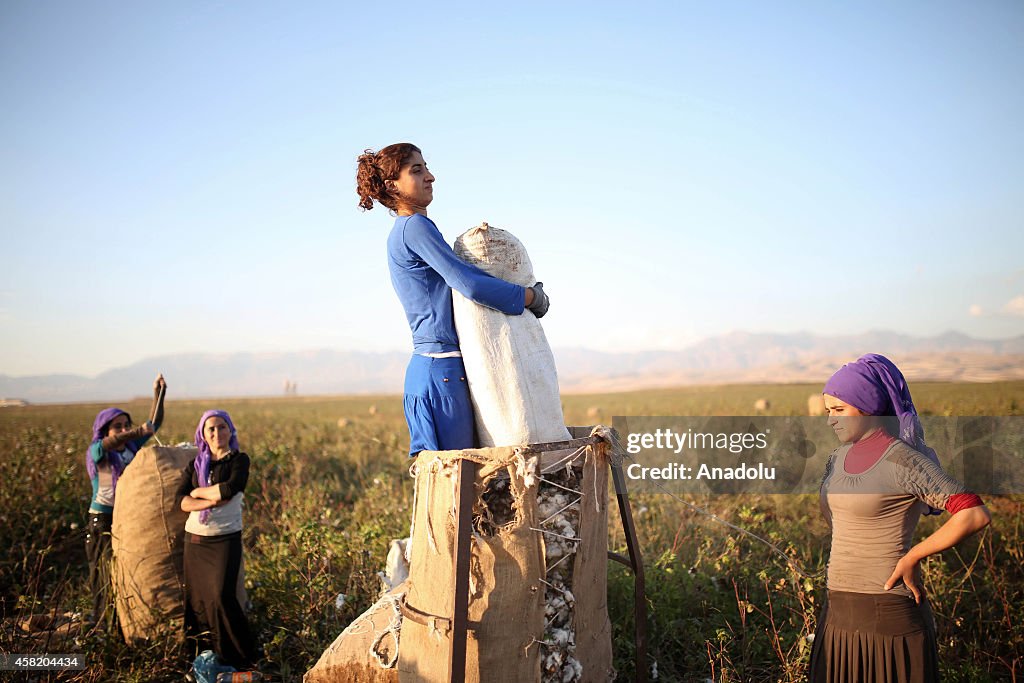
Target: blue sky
pixel 180 176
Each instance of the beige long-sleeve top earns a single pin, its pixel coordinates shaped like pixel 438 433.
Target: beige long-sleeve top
pixel 873 514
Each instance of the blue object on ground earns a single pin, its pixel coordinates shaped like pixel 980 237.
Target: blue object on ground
pixel 206 667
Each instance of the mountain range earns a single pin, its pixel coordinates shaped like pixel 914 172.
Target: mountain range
pixel 738 357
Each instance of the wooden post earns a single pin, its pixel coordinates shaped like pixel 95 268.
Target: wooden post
pixel 639 589
pixel 463 536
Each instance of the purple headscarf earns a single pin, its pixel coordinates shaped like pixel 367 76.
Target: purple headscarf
pixel 875 386
pixel 204 457
pixel 99 431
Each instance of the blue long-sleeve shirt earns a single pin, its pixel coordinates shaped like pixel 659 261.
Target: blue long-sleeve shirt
pixel 424 270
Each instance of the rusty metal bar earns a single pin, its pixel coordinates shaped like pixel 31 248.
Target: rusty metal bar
pixel 560 445
pixel 463 535
pixel 621 559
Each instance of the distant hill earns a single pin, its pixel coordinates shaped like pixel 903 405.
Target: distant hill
pixel 743 357
pixel 739 357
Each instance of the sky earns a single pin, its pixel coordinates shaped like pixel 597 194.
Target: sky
pixel 179 176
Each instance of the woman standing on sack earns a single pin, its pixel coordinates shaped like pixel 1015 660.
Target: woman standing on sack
pixel 424 270
pixel 876 624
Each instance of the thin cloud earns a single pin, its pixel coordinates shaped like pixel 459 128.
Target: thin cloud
pixel 1015 306
pixel 976 311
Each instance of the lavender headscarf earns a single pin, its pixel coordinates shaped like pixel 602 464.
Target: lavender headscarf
pixel 204 457
pixel 875 386
pixel 99 430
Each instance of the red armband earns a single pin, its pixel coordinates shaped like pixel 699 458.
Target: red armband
pixel 962 501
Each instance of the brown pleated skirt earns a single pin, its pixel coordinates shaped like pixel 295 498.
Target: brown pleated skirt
pixel 869 638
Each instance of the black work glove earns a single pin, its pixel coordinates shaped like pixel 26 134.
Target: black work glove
pixel 541 302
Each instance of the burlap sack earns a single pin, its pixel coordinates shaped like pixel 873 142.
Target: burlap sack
pixel 507 568
pixel 351 657
pixel 509 365
pixel 148 544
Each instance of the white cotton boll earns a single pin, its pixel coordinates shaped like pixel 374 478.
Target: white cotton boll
pixel 573 671
pixel 556 611
pixel 570 599
pixel 565 527
pixel 559 637
pixel 397 565
pixel 526 469
pixel 546 506
pixel 339 602
pixel 553 662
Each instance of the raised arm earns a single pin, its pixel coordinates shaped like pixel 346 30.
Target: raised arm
pixel 156 412
pixel 141 433
pixel 117 442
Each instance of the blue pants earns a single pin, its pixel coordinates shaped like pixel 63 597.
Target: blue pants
pixel 437 405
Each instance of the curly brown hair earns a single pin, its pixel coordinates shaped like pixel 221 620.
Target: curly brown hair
pixel 377 167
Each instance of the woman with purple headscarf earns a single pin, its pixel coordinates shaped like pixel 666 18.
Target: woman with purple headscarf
pixel 211 491
pixel 876 624
pixel 114 444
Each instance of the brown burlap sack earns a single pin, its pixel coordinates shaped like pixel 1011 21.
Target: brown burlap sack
pixel 507 570
pixel 148 545
pixel 363 651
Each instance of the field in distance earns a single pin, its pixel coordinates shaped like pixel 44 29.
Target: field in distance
pixel 330 489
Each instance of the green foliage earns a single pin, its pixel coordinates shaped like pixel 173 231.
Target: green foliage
pixel 330 489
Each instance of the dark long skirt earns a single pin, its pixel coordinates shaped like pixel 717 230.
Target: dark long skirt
pixel 213 617
pixel 863 638
pixel 98 551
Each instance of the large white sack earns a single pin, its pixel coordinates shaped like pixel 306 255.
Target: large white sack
pixel 509 364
